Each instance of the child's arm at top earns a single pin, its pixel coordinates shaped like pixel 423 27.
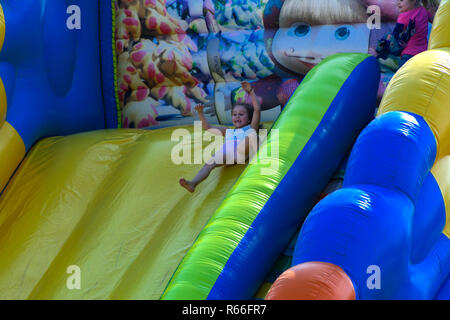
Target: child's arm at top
pixel 256 107
pixel 205 125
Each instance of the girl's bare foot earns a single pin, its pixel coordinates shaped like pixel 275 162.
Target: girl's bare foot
pixel 187 185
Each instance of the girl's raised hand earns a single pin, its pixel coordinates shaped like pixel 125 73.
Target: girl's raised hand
pixel 246 86
pixel 199 108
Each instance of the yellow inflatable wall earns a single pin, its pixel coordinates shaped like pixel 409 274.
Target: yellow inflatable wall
pixel 105 206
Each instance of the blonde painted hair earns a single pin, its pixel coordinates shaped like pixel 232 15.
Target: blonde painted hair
pixel 322 12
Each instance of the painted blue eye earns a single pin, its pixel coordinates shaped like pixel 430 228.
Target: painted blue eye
pixel 302 30
pixel 342 33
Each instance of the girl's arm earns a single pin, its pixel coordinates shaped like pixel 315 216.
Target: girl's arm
pixel 256 107
pixel 256 111
pixel 205 125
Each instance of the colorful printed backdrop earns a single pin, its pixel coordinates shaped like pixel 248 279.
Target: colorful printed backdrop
pixel 174 54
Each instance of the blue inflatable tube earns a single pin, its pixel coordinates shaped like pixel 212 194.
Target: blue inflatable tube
pixel 361 225
pixel 58 75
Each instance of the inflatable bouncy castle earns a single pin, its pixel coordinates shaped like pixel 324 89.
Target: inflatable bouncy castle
pixel 97 125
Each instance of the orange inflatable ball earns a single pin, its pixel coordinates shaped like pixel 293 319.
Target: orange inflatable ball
pixel 312 281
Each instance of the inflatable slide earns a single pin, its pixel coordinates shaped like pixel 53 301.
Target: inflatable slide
pixel 97 125
pixel 106 203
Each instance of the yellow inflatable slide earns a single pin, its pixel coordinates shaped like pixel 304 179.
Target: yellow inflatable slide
pixel 100 215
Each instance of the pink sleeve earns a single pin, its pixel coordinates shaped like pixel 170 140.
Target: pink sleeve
pixel 422 18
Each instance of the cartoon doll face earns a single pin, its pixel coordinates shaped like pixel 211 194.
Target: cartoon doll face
pixel 302 46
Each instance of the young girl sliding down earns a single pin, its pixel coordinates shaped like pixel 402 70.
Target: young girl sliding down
pixel 246 122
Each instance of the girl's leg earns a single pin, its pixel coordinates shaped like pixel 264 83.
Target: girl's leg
pixel 199 177
pixel 246 149
pixel 219 159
